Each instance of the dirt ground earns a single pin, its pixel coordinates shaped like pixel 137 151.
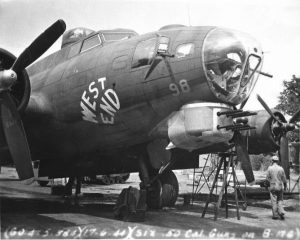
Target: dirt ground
pixel 30 211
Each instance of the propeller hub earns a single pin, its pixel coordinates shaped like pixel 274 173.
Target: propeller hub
pixel 285 127
pixel 289 127
pixel 7 79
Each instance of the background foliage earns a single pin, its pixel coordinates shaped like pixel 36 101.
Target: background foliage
pixel 289 102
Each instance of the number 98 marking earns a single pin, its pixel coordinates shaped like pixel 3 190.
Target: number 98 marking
pixel 183 86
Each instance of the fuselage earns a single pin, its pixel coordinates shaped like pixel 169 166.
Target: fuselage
pixel 104 99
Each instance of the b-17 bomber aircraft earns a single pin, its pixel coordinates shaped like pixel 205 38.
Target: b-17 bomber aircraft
pixel 114 101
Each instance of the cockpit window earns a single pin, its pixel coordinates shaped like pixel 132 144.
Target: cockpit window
pixel 144 53
pixel 91 42
pixel 74 49
pixel 115 36
pixel 250 68
pixel 225 75
pixel 185 50
pixel 250 75
pixel 231 61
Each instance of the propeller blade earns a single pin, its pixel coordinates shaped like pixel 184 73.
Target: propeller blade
pixel 15 137
pixel 39 45
pixel 266 107
pixel 284 155
pixel 295 117
pixel 243 156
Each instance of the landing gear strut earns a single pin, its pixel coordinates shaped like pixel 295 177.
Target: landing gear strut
pixel 161 186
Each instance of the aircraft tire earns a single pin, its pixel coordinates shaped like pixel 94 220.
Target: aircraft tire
pixel 163 192
pixel 170 189
pixel 154 193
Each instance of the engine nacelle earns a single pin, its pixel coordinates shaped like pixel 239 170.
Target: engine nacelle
pixel 21 89
pixel 263 138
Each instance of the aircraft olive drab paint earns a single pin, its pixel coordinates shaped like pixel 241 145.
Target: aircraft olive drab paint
pixel 106 108
pixel 113 101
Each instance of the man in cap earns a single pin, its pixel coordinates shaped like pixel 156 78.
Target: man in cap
pixel 277 179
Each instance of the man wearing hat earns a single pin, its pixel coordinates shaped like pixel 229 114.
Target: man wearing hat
pixel 277 179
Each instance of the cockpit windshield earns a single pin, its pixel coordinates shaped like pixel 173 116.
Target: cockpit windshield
pixel 231 61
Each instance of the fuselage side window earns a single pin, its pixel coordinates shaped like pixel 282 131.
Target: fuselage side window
pixel 185 50
pixel 74 49
pixel 144 53
pixel 91 43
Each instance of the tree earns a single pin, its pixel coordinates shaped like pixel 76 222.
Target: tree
pixel 289 102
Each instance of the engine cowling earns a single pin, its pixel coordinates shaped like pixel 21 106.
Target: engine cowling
pixel 264 138
pixel 21 89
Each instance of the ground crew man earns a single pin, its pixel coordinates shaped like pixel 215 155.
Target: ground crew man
pixel 68 189
pixel 277 180
pixel 69 185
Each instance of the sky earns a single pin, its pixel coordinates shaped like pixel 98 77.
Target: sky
pixel 274 23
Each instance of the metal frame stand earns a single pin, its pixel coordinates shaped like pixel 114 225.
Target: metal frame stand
pixel 227 164
pixel 196 188
pixel 296 183
pixel 294 166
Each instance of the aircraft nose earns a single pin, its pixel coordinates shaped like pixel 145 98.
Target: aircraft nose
pixel 231 62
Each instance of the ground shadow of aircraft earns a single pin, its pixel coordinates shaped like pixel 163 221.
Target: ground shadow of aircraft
pixel 113 101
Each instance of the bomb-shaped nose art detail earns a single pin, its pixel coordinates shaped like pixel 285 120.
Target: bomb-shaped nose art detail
pixel 231 61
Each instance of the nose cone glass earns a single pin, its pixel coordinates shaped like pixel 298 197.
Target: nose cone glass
pixel 231 62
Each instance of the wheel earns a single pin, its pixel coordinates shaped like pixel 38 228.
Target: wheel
pixel 43 183
pixel 170 189
pixel 154 193
pixel 163 192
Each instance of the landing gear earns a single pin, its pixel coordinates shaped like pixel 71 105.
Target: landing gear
pixel 163 192
pixel 161 184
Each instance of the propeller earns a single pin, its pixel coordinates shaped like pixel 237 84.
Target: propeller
pixel 243 156
pixel 242 152
pixel 266 107
pixel 280 130
pixel 10 118
pixel 284 155
pixel 40 45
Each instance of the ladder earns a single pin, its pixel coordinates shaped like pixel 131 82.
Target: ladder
pixel 226 160
pixel 204 171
